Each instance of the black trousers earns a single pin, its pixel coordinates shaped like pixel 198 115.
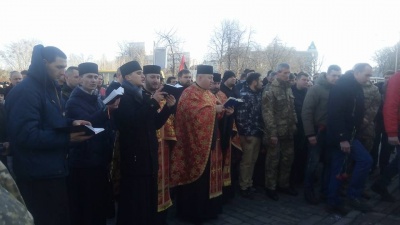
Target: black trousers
pixel 300 158
pixel 87 191
pixel 137 201
pixel 193 203
pixel 46 200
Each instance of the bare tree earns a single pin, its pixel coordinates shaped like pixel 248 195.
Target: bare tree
pixel 257 59
pixel 105 64
pixel 277 52
pixel 4 75
pixel 131 51
pixel 170 40
pixel 75 59
pixel 242 53
pixel 226 45
pixel 385 58
pixel 316 64
pixel 17 55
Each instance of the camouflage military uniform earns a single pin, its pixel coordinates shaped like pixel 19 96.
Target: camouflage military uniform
pixel 280 121
pixel 12 206
pixel 372 100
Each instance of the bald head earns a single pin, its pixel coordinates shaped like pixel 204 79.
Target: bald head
pixel 15 77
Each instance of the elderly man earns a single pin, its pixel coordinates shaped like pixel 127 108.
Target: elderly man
pixel 15 79
pixel 196 162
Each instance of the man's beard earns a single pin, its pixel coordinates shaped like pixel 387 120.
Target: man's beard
pixel 186 84
pixel 149 87
pixel 214 90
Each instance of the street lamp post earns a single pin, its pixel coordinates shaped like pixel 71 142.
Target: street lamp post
pixel 397 53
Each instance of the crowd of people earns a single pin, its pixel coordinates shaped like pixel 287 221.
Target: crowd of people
pixel 194 144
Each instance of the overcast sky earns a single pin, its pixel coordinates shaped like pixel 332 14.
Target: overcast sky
pixel 344 31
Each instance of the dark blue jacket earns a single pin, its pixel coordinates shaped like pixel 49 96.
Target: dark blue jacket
pixel 34 108
pixel 97 151
pixel 345 109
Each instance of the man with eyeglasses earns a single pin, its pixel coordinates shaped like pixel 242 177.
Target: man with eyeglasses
pixel 314 114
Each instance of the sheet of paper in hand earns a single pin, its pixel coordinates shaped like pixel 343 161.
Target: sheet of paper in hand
pixel 89 130
pixel 232 102
pixel 116 93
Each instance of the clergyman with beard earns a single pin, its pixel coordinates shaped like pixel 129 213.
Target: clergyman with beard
pixel 184 78
pixel 152 74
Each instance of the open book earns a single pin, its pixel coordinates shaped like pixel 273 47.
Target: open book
pixel 89 130
pixel 116 93
pixel 231 102
pixel 176 91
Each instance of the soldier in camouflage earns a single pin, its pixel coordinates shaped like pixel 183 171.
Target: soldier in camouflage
pixel 372 101
pixel 12 207
pixel 280 123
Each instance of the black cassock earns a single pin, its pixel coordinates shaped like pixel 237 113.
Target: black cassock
pixel 137 120
pixel 193 202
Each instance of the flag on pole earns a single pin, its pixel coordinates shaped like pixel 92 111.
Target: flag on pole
pixel 183 64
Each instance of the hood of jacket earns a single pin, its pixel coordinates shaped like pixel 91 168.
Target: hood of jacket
pixel 324 82
pixel 37 70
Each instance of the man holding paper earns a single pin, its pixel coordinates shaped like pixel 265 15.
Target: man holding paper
pixel 35 108
pixel 89 161
pixel 137 119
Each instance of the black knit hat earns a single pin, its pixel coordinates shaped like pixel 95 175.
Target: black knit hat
pixel 204 69
pixel 151 69
pixel 228 74
pixel 130 67
pixel 217 77
pixel 88 67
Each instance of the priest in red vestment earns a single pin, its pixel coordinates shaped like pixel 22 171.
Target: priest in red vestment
pixel 196 162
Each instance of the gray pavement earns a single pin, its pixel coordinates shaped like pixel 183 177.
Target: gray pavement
pixel 294 210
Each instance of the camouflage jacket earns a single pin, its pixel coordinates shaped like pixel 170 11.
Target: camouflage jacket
pixel 12 207
pixel 372 101
pixel 278 110
pixel 248 114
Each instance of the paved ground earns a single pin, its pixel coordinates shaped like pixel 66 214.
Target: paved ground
pixel 294 210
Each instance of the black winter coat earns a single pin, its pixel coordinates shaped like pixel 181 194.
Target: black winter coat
pixel 137 120
pixel 299 96
pixel 97 151
pixel 345 109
